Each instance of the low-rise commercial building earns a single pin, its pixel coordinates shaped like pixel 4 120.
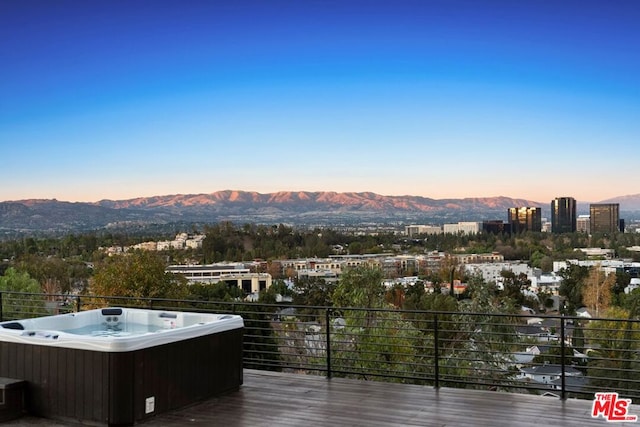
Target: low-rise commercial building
pixel 234 274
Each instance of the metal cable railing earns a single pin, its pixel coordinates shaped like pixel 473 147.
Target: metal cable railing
pixel 566 356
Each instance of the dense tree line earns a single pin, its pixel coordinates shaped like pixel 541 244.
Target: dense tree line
pixel 229 242
pixel 225 242
pixel 71 263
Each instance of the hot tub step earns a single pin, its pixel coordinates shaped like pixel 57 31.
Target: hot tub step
pixel 11 398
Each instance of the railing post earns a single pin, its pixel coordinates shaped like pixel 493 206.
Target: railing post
pixel 78 304
pixel 563 393
pixel 1 314
pixel 328 345
pixel 436 356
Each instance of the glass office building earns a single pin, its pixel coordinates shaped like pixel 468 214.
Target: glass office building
pixel 563 215
pixel 525 219
pixel 605 217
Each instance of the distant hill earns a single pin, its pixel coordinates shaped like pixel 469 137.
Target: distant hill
pixel 303 201
pixel 627 203
pixel 302 207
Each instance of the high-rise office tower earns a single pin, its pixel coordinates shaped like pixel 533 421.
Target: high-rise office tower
pixel 563 215
pixel 605 217
pixel 525 219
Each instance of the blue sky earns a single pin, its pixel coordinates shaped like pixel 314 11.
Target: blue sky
pixel 443 99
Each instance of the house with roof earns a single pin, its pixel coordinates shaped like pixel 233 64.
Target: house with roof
pixel 525 357
pixel 529 330
pixel 634 284
pixel 547 373
pixel 536 332
pixel 583 312
pixel 575 384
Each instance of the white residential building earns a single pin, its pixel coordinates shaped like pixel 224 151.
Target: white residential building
pixel 163 245
pixel 597 252
pixel 492 257
pixel 583 224
pixel 414 230
pixel 606 265
pixel 463 227
pixel 146 246
pixel 195 242
pixel 548 282
pixel 491 272
pixel 327 275
pixel 405 282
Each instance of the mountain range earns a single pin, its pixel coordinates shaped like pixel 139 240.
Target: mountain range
pixel 301 207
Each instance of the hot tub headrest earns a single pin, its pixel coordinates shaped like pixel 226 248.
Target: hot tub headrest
pixel 111 311
pixel 168 315
pixel 13 325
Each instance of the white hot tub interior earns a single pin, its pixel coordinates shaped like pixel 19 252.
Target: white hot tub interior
pixel 138 327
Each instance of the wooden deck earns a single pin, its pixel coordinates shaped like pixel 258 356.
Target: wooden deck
pixel 276 399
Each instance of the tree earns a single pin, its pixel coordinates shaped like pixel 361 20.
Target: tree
pixel 270 295
pixel 16 306
pixel 372 341
pixel 515 287
pixel 554 356
pixel 450 268
pixel 614 363
pixel 279 286
pixel 536 259
pixel 274 268
pixel 419 308
pixel 571 287
pixel 360 287
pixel 312 292
pixel 260 346
pixel 577 339
pixel 395 296
pixel 596 293
pixel 478 343
pixel 623 279
pixel 485 298
pixel 220 291
pixel 51 272
pixel 546 264
pixel 383 344
pixel 140 274
pixel 418 300
pixel 355 248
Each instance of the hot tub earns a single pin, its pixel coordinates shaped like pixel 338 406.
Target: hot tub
pixel 119 365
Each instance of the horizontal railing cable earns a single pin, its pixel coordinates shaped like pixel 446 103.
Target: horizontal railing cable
pixel 565 355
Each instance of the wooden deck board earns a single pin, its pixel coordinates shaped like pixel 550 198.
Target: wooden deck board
pixel 274 399
pixel 291 400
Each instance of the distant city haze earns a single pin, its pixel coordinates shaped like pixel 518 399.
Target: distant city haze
pixel 118 100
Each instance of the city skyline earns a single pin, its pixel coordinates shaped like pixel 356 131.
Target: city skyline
pixel 440 99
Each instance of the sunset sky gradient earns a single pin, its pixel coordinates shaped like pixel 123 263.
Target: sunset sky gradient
pixel 442 99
